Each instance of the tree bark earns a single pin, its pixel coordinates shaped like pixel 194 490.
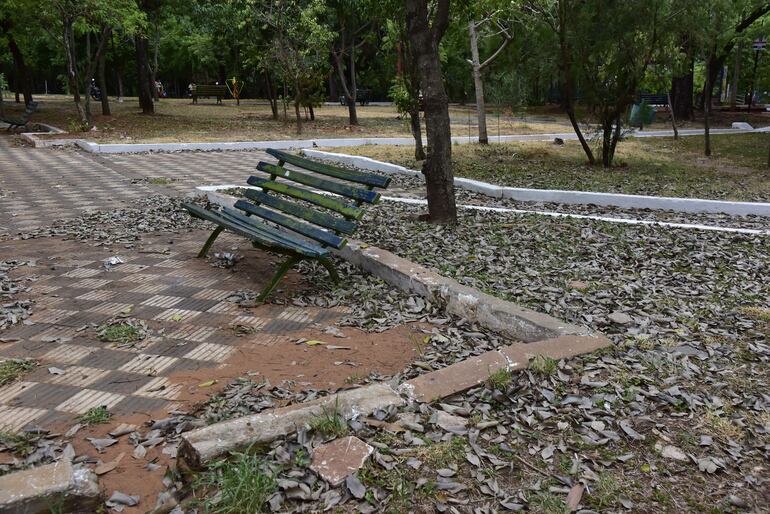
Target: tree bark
pixel 91 67
pixel 736 76
pixel 673 116
pixel 23 80
pixel 154 67
pixel 73 77
pixel 102 80
pixel 478 84
pixel 707 108
pixel 681 95
pixel 424 38
pixel 143 77
pixel 297 102
pixel 414 122
pixel 348 91
pixel 272 95
pixel 567 80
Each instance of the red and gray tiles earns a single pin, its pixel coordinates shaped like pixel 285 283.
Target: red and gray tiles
pixel 183 301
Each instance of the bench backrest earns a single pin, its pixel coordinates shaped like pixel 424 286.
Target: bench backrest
pixel 654 98
pixel 209 89
pixel 294 207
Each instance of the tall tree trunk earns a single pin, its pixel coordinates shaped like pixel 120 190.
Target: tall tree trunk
pixel 102 80
pixel 709 85
pixel 297 103
pixel 736 76
pixel 73 78
pixel 567 80
pixel 673 116
pixel 478 84
pixel 414 122
pixel 92 64
pixel 349 85
pixel 682 93
pixel 23 79
pixel 154 67
pixel 143 77
pixel 272 95
pixel 425 38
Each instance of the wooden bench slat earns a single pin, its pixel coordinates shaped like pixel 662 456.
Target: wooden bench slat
pixel 281 237
pixel 249 229
pixel 347 210
pixel 304 229
pixel 300 211
pixel 354 193
pixel 369 179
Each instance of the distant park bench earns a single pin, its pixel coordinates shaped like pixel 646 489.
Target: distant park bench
pixel 282 217
pixel 22 120
pixel 654 99
pixel 208 90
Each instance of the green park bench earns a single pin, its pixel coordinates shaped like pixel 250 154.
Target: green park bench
pixel 22 120
pixel 208 90
pixel 284 218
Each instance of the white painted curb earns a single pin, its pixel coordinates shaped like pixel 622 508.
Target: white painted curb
pixel 213 195
pixel 109 148
pixel 690 205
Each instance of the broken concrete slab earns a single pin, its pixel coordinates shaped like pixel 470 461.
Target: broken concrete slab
pixel 499 315
pixel 471 372
pixel 336 460
pixel 206 444
pixel 70 488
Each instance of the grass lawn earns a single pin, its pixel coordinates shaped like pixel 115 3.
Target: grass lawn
pixel 655 166
pixel 177 120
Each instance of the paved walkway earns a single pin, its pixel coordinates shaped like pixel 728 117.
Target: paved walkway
pixel 42 185
pixel 39 186
pixel 181 299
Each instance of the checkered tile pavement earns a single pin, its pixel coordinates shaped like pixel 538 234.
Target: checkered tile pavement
pixel 182 300
pixel 40 185
pixel 189 169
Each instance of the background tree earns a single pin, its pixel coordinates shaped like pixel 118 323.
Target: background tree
pixel 299 42
pixel 354 23
pixel 426 27
pixel 494 24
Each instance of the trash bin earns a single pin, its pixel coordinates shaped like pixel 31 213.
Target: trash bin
pixel 641 114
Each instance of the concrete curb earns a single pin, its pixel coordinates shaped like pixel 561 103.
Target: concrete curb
pixel 325 142
pixel 690 205
pixel 43 488
pixel 498 315
pixel 493 313
pixel 204 445
pixel 471 372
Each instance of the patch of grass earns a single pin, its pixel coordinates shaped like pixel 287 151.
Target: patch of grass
pixel 758 313
pixel 13 369
pixel 160 181
pixel 441 455
pixel 543 365
pixel 22 443
pixel 238 485
pixel 500 379
pixel 120 333
pixel 721 426
pixel 95 416
pixel 331 422
pixel 355 378
pixel 606 492
pixel 547 503
pixel 243 329
pixel 650 166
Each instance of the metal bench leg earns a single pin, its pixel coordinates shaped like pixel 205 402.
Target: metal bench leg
pixel 282 270
pixel 326 263
pixel 209 242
